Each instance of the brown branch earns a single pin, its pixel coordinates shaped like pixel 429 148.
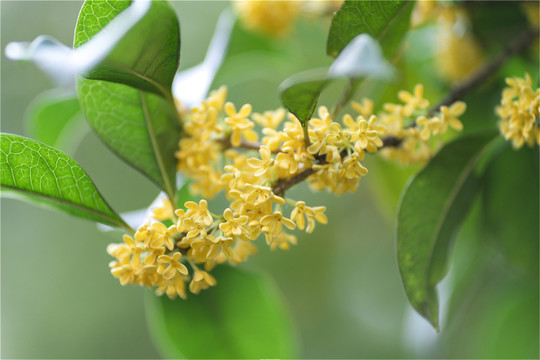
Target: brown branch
pixel 285 184
pixel 459 91
pixel 247 145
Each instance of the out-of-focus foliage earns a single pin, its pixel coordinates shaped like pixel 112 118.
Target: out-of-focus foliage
pixel 242 316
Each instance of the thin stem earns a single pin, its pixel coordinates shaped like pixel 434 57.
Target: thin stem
pixel 345 97
pixel 458 92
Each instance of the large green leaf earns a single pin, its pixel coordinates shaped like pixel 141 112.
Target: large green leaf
pixel 138 126
pixel 242 317
pixel 432 207
pixel 56 120
pixel 146 57
pixel 361 58
pixel 511 205
pixel 387 21
pixel 45 175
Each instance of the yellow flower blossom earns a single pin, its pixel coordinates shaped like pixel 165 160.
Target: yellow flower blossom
pixel 413 101
pixel 198 212
pixel 428 126
pixel 234 225
pixel 449 116
pixel 520 113
pixel 201 280
pixel 352 168
pixel 264 164
pixel 164 212
pixel 239 123
pixel 174 287
pixel 270 119
pixel 337 136
pixel 271 17
pixel 168 266
pixel 364 108
pixel 301 213
pixel 273 224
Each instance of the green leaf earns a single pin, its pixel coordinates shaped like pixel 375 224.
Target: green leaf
pixel 56 120
pixel 39 173
pixel 511 205
pixel 242 317
pixel 146 57
pixel 138 126
pixel 386 21
pixel 300 93
pixel 432 207
pixel 361 58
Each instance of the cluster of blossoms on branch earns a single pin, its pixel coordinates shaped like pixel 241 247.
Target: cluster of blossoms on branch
pixel 221 151
pixel 519 111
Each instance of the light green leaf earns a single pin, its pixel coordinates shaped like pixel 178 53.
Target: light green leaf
pixel 242 317
pixel 39 173
pixel 138 126
pixel 361 58
pixel 511 192
pixel 146 57
pixel 386 21
pixel 432 207
pixel 56 120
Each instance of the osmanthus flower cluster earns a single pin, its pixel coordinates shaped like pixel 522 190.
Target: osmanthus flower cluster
pixel 519 111
pixel 222 150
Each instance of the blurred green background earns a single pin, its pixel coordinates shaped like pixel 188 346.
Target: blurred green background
pixel 341 283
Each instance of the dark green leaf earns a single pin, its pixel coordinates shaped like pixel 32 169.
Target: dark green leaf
pixel 138 126
pixel 146 57
pixel 386 21
pixel 433 205
pixel 511 205
pixel 56 119
pixel 42 174
pixel 242 317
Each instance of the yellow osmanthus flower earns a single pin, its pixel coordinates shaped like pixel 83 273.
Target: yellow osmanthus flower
pixel 459 53
pixel 301 213
pixel 239 124
pixel 271 17
pixel 219 152
pixel 519 111
pixel 201 280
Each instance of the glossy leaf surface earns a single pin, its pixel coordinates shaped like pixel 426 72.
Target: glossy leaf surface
pixel 386 21
pixel 146 57
pixel 139 126
pixel 433 205
pixel 39 173
pixel 511 205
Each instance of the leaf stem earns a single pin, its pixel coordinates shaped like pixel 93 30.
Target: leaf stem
pixel 345 97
